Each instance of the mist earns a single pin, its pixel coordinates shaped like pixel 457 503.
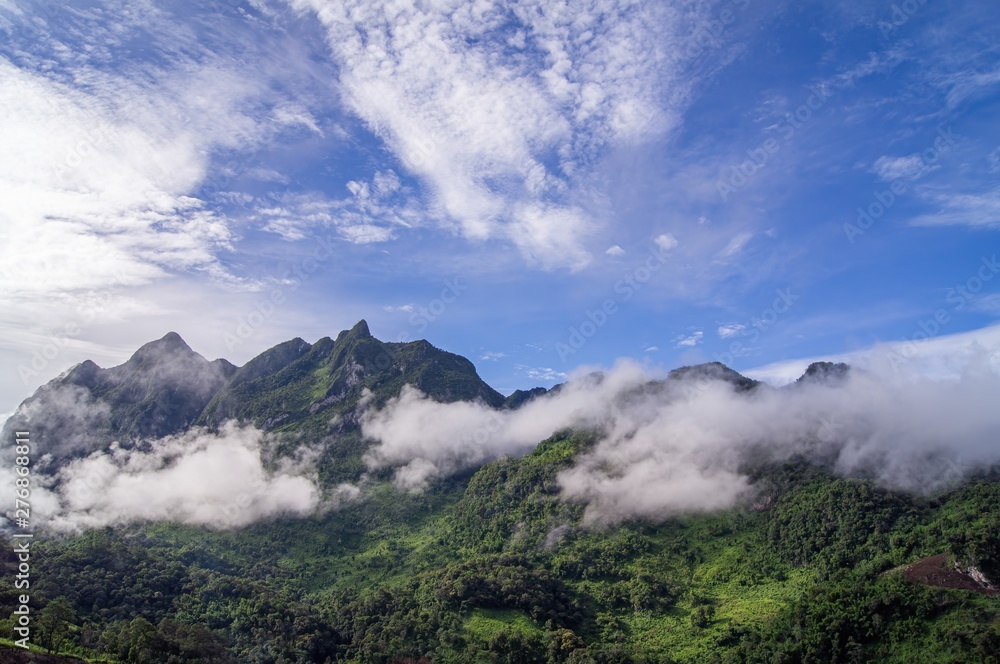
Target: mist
pixel 665 446
pixel 219 480
pixel 688 445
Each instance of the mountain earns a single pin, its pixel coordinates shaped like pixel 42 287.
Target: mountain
pixel 165 387
pixel 161 390
pixel 518 398
pixel 297 384
pixel 713 371
pixel 825 372
pixel 491 563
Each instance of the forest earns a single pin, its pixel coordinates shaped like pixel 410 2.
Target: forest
pixel 491 566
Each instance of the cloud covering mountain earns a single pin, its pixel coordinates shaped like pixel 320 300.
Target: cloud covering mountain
pixel 690 443
pixel 267 444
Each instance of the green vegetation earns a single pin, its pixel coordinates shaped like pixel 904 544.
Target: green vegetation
pixel 492 567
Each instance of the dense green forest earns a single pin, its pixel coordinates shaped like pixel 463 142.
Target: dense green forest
pixel 492 567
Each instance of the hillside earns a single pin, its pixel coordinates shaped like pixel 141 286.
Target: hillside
pixel 491 563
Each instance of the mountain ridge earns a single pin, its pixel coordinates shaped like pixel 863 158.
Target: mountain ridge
pixel 165 387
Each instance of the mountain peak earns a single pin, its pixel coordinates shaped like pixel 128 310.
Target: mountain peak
pixel 172 338
pixel 825 372
pixel 715 371
pixel 359 331
pixel 170 346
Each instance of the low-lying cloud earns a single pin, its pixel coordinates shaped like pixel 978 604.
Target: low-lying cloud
pixel 680 446
pixel 217 480
pixel 665 446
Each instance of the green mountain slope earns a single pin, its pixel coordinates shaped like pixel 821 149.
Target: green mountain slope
pixel 492 565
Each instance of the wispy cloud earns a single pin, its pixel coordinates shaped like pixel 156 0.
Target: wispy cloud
pixel 943 357
pixel 437 83
pixel 910 167
pixel 730 330
pixel 980 210
pixel 545 374
pixel 114 162
pixel 735 245
pixel 690 340
pixel 371 211
pixel 988 304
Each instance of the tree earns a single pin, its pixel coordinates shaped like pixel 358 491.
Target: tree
pixel 139 641
pixel 54 623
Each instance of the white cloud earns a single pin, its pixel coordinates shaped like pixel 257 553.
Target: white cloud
pixel 736 245
pixel 492 356
pixel 681 446
pixel 690 340
pixel 546 374
pixel 292 115
pixel 371 212
pixel 198 478
pixel 993 158
pixel 424 439
pixel 615 251
pixel 894 168
pixel 970 84
pixel 97 195
pixel 971 209
pixel 731 330
pixel 500 137
pixel 941 357
pixel 665 241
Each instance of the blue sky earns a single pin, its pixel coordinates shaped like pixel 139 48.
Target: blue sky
pixel 533 185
